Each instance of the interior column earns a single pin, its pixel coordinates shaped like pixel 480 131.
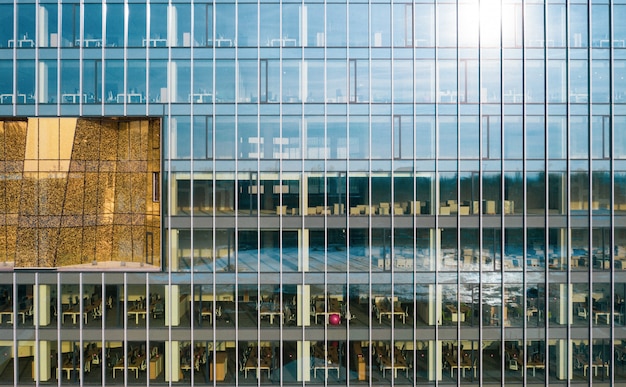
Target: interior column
pixel 172 361
pixel 304 194
pixel 41 362
pixel 434 307
pixel 435 248
pixel 435 360
pixel 303 250
pixel 173 253
pixel 564 360
pixel 41 303
pixel 304 305
pixel 304 361
pixel 172 305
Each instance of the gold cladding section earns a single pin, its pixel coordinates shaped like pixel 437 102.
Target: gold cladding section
pixel 79 191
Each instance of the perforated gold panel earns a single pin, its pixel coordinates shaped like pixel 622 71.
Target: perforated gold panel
pixel 79 192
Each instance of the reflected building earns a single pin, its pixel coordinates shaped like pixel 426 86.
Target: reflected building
pixel 311 193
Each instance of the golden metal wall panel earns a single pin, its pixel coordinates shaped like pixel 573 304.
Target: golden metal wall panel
pixel 104 247
pixel 15 140
pixel 86 140
pixel 74 194
pixel 29 197
pixel 52 195
pixel 90 198
pixel 75 191
pixel 90 242
pixel 70 246
pixel 109 132
pixel 26 252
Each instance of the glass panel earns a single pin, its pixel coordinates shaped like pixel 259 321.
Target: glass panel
pixel 335 26
pixel 6 30
pixel 203 25
pixel 115 28
pixel 556 25
pixel 70 82
pixel 620 191
pixel 180 15
pixel 424 18
pixel 534 25
pixel 225 25
pixel 179 82
pixel 446 28
pixel 358 29
pixel 25 25
pixel 447 146
pixel 315 36
pixel 270 28
pixel 136 16
pixel 70 26
pixel 291 27
pixel 381 25
pixel 600 25
pixel 26 81
pixel 136 81
pixel 580 249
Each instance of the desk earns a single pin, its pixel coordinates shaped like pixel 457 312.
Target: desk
pixel 185 367
pixel 447 96
pixel 24 312
pixel 270 310
pixel 595 365
pixel 24 42
pixel 8 98
pixel 283 42
pixel 534 364
pixel 325 360
pixel 607 316
pixel 137 312
pixel 206 312
pixel 154 42
pixel 399 363
pixel 321 310
pixel 73 98
pixel 455 313
pixel 119 366
pixel 530 312
pixel 74 312
pixel 607 43
pixel 88 43
pixel 129 98
pixel 134 366
pixel 579 97
pixel 385 310
pixel 67 367
pixel 512 96
pixel 223 42
pixel 200 97
pixel 259 365
pixel 6 312
pixel 466 363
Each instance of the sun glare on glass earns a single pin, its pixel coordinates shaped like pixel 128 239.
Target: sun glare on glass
pixel 480 18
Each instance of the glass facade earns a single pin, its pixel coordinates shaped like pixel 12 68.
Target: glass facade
pixel 312 192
